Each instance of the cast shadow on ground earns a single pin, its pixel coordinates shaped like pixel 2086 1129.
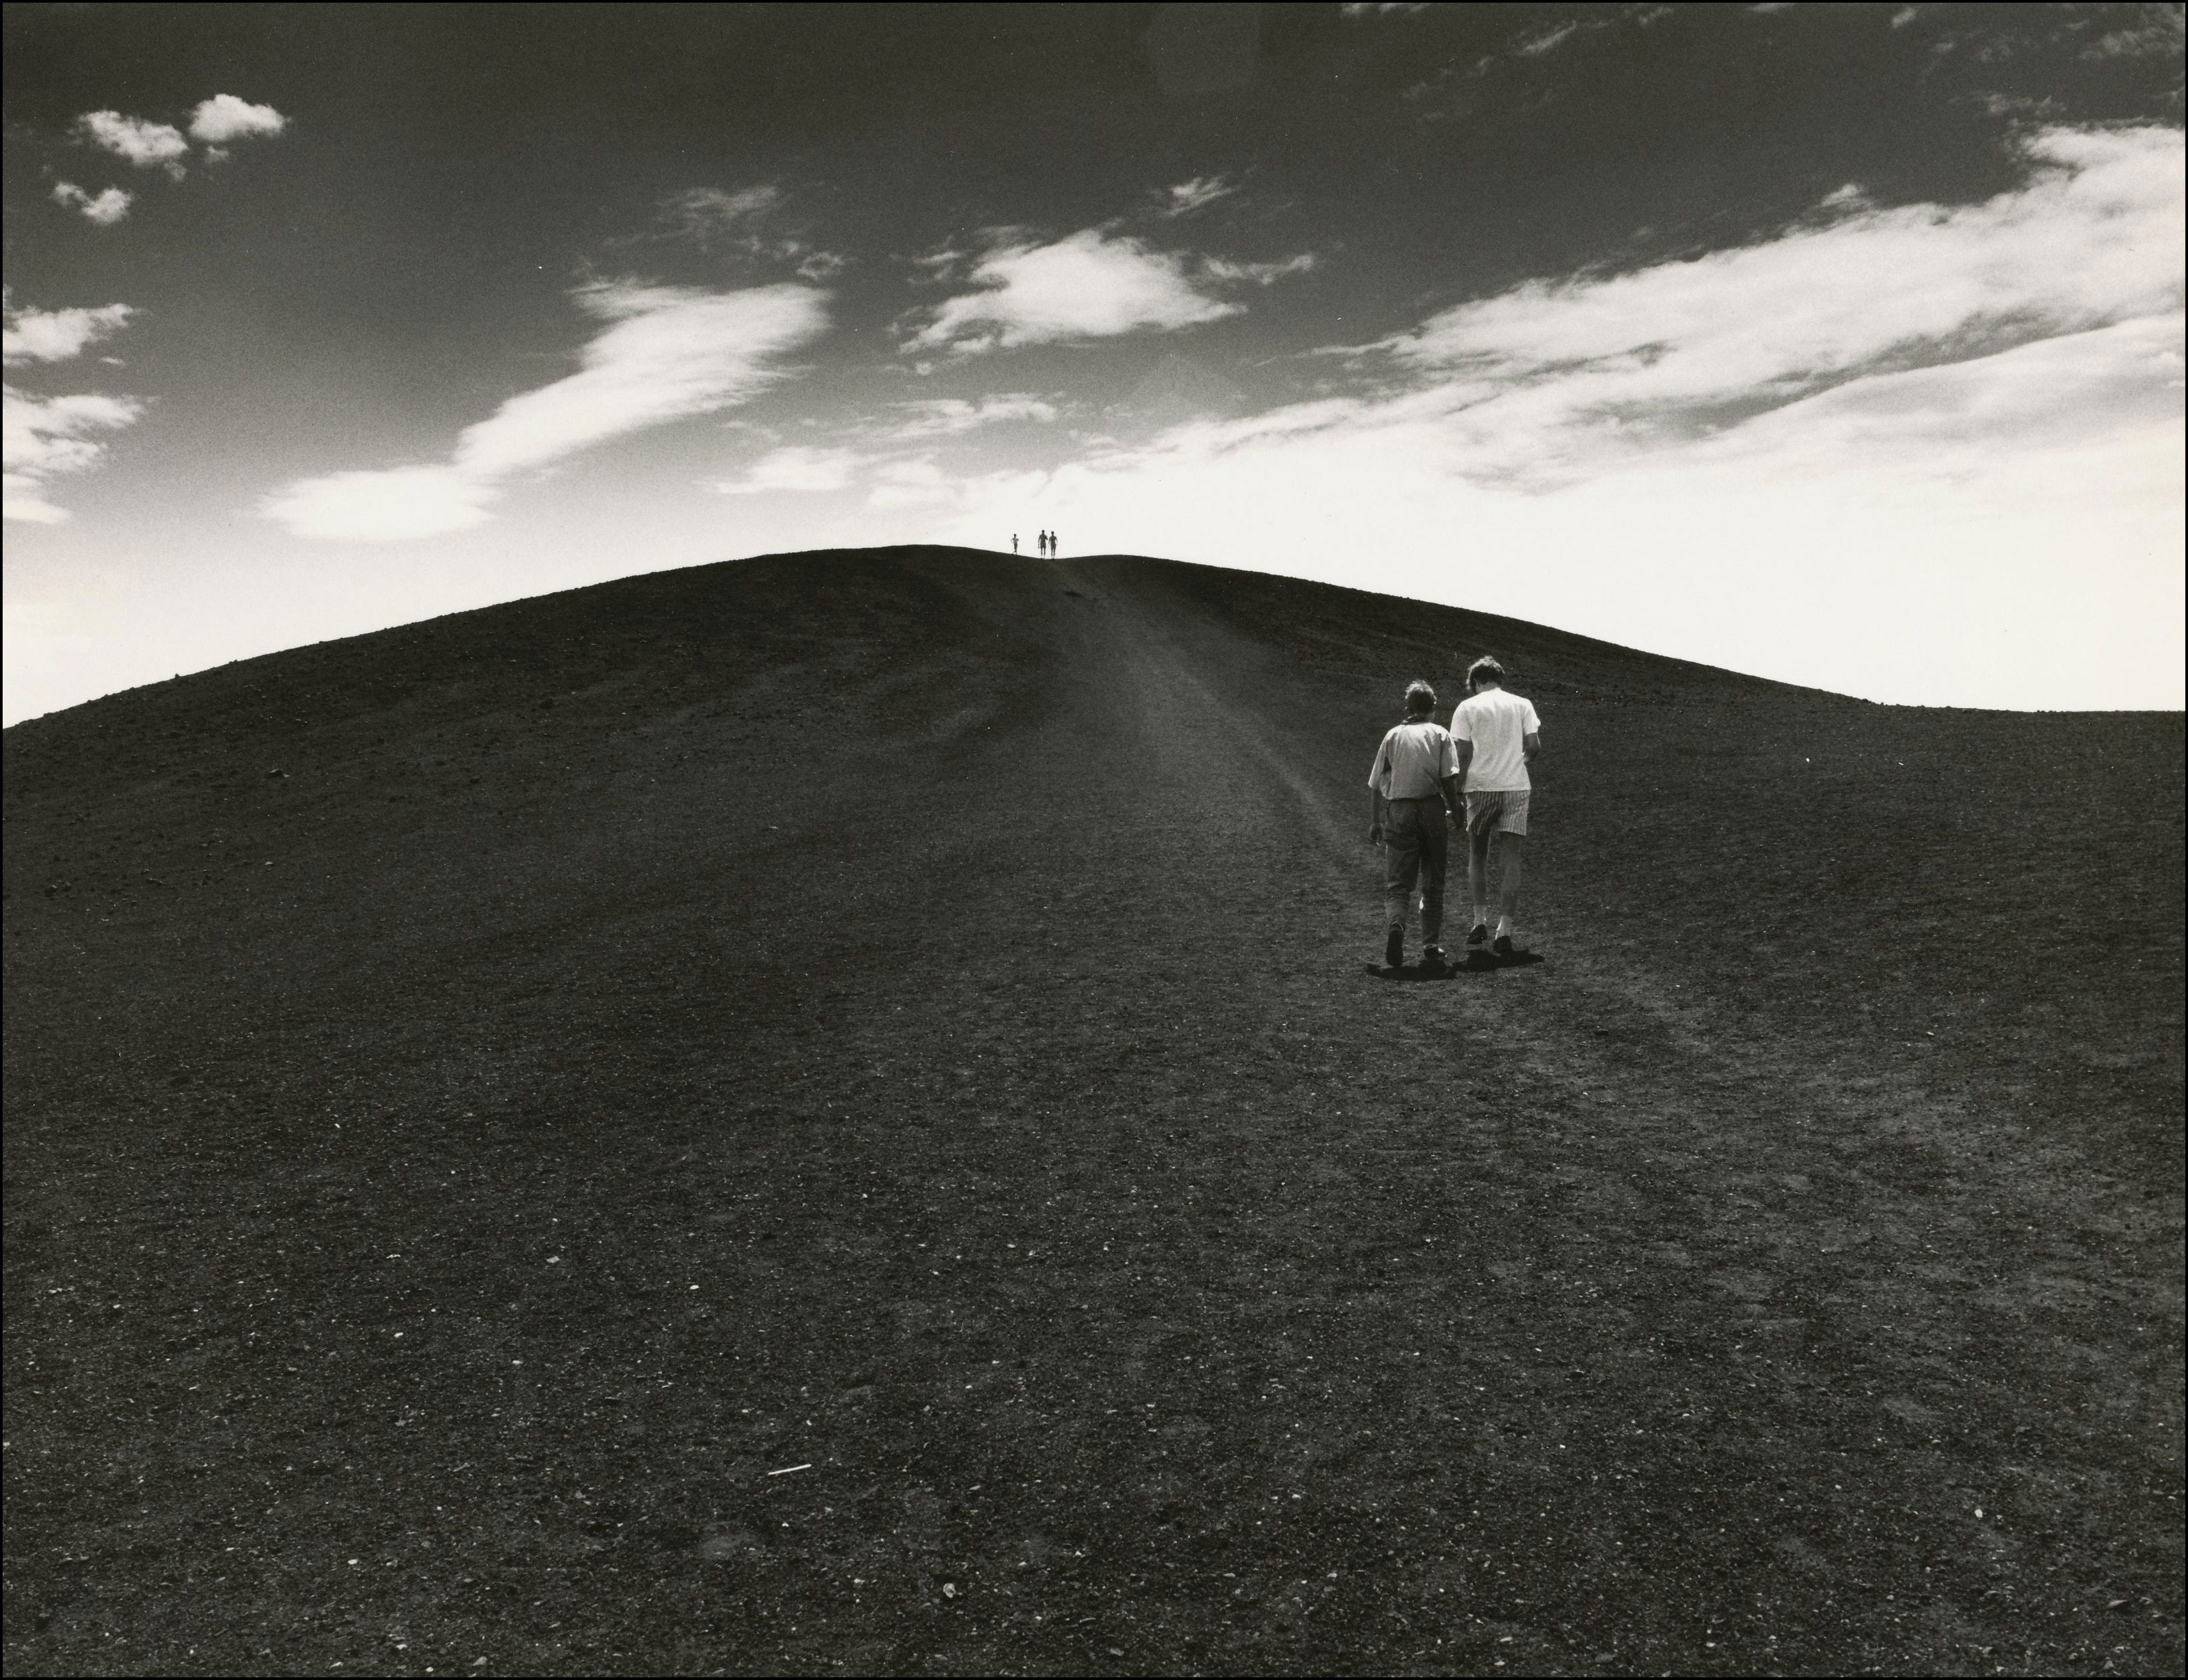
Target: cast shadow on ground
pixel 1473 965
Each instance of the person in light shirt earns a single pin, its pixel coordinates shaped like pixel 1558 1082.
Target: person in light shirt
pixel 1415 776
pixel 1498 736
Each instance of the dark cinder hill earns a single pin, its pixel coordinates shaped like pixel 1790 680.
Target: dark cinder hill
pixel 905 1014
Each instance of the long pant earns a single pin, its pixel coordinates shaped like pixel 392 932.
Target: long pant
pixel 1415 849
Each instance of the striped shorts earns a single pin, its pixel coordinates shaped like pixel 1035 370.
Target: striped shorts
pixel 1498 813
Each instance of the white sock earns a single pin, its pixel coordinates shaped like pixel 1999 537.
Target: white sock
pixel 1482 915
pixel 1504 927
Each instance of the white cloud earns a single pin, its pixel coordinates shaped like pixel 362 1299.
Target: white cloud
pixel 396 505
pixel 948 416
pixel 1090 284
pixel 42 437
pixel 667 353
pixel 1188 196
pixel 224 117
pixel 671 353
pixel 57 335
pixel 1555 378
pixel 797 468
pixel 106 208
pixel 146 145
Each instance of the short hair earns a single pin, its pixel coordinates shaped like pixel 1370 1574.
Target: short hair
pixel 1420 698
pixel 1484 669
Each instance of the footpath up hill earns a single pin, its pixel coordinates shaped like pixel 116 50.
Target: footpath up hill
pixel 907 1014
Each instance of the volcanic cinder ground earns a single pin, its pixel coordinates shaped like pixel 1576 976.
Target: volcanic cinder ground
pixel 486 1101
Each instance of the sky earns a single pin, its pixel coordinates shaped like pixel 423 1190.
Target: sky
pixel 1841 345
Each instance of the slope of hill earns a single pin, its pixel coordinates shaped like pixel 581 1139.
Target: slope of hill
pixel 487 1100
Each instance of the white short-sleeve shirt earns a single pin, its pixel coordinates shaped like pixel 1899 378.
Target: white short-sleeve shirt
pixel 1497 723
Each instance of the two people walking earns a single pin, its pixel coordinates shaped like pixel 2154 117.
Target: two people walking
pixel 1477 771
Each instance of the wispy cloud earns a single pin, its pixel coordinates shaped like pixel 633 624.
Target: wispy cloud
pixel 149 145
pixel 1258 274
pixel 1535 44
pixel 1553 376
pixel 707 215
pixel 1091 284
pixel 2156 31
pixel 742 223
pixel 1188 196
pixel 667 353
pixel 797 468
pixel 223 118
pixel 57 335
pixel 106 208
pixel 46 437
pixel 951 416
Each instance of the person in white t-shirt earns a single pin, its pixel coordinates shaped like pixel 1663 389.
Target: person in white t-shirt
pixel 1498 736
pixel 1414 777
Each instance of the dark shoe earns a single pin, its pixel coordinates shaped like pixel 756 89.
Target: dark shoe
pixel 1394 948
pixel 1478 934
pixel 1502 947
pixel 1432 957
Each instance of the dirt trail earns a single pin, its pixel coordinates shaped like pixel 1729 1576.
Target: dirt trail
pixel 1797 1207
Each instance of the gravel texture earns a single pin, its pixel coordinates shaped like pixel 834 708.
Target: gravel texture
pixel 833 1113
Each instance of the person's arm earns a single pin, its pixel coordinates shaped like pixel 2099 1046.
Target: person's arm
pixel 1454 796
pixel 1465 758
pixel 1530 746
pixel 1378 812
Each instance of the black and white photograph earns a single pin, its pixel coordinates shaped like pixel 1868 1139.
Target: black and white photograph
pixel 773 902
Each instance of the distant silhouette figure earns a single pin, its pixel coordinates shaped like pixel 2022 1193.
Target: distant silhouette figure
pixel 1014 542
pixel 1051 545
pixel 1043 545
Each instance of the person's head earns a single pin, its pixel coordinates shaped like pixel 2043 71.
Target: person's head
pixel 1484 673
pixel 1420 699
